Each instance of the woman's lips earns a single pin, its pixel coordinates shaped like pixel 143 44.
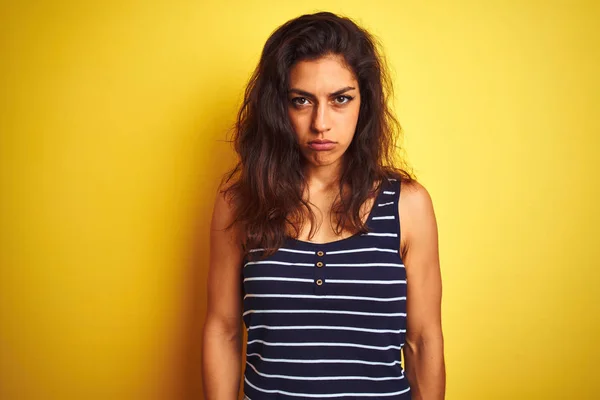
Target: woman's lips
pixel 321 146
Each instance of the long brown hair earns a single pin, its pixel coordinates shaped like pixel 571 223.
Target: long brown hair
pixel 268 181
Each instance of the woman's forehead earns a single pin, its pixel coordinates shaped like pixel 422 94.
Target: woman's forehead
pixel 327 73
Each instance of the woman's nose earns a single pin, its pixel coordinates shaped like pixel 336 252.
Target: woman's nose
pixel 321 118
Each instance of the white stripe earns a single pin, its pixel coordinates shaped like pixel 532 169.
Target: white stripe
pixel 374 282
pixel 284 249
pixel 324 395
pixel 380 234
pixel 322 327
pixel 274 278
pixel 279 263
pixel 388 192
pixel 367 265
pixel 384 217
pixel 361 250
pixel 392 179
pixel 341 312
pixel 385 204
pixel 322 361
pixel 324 344
pixel 296 251
pixel 326 378
pixel 324 297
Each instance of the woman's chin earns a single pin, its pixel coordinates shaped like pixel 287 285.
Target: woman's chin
pixel 319 160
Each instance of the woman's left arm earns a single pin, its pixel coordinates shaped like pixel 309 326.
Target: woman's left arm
pixel 424 351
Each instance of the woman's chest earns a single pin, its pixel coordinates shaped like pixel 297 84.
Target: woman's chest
pixel 354 267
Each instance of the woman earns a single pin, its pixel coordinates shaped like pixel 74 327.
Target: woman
pixel 327 251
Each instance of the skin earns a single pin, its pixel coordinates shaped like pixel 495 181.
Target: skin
pixel 323 103
pixel 424 351
pixel 317 111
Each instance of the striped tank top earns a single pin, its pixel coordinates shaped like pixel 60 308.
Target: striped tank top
pixel 329 320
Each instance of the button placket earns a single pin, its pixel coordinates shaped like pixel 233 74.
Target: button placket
pixel 320 281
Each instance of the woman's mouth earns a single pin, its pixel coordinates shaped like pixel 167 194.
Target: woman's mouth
pixel 321 145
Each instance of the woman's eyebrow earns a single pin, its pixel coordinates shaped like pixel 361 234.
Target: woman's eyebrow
pixel 307 94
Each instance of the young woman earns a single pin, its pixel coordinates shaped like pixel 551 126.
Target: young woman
pixel 325 248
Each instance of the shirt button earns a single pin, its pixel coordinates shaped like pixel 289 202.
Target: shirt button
pixel 319 282
pixel 319 264
pixel 320 253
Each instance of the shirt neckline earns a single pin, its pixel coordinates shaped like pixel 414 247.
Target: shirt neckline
pixel 357 234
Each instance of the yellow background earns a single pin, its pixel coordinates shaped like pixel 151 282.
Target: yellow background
pixel 113 117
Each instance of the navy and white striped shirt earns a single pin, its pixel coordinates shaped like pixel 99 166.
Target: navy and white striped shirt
pixel 329 320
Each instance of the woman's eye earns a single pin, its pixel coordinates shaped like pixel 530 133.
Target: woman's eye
pixel 342 99
pixel 300 101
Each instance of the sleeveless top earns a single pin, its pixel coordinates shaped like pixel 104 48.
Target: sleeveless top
pixel 329 320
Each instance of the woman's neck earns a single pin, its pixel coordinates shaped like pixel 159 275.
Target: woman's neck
pixel 322 178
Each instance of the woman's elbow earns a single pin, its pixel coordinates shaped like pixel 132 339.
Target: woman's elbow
pixel 225 329
pixel 426 341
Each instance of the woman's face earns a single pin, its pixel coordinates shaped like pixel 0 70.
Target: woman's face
pixel 323 107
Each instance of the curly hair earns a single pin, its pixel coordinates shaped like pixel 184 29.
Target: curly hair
pixel 268 179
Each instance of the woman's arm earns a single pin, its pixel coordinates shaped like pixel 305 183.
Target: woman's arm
pixel 222 335
pixel 424 350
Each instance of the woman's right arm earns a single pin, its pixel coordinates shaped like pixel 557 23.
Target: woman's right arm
pixel 222 334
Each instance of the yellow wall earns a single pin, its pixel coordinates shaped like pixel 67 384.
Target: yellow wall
pixel 110 119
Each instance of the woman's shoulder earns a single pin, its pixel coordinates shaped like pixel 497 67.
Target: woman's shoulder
pixel 413 189
pixel 224 207
pixel 414 197
pixel 415 207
